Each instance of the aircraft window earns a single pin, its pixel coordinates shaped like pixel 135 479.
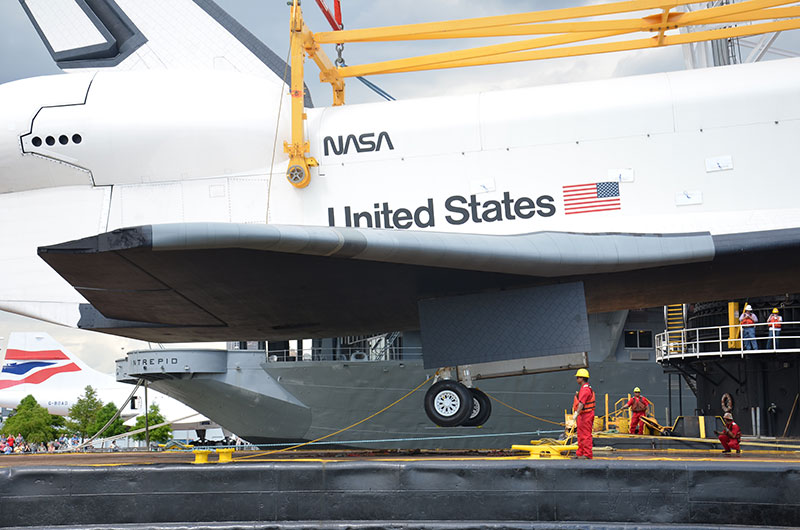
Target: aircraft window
pixel 77 138
pixel 36 141
pixel 63 139
pixel 50 140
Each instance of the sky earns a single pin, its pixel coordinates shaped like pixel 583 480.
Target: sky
pixel 22 54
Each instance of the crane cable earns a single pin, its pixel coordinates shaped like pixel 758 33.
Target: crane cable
pixel 369 84
pixel 378 90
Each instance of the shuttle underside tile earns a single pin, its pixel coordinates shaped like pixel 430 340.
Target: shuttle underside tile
pixel 486 327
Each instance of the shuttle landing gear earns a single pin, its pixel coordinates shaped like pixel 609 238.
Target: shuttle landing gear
pixel 453 401
pixel 450 403
pixel 481 409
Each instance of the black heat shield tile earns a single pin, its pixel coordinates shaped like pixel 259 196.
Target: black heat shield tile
pixel 498 326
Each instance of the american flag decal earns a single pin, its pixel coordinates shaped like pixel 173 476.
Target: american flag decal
pixel 593 197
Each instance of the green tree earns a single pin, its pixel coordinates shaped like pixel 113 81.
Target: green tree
pixel 83 414
pixel 32 421
pixel 154 417
pixel 103 415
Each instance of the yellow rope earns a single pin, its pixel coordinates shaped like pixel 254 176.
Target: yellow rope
pixel 387 407
pixel 560 424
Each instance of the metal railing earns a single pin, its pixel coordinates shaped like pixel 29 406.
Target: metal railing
pixel 343 353
pixel 720 341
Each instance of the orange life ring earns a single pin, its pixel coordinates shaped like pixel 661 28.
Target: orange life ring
pixel 727 402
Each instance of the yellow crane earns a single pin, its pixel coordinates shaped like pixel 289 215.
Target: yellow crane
pixel 566 32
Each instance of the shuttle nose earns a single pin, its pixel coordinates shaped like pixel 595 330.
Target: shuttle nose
pixel 20 103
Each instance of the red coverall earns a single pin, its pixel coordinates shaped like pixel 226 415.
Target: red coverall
pixel 637 415
pixel 585 420
pixel 731 442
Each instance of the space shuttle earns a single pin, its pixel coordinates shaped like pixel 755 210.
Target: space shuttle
pixel 36 364
pixel 144 194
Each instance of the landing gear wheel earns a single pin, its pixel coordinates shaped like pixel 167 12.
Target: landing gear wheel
pixel 481 409
pixel 298 176
pixel 448 403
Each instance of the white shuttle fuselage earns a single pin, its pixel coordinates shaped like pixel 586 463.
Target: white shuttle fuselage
pixel 696 151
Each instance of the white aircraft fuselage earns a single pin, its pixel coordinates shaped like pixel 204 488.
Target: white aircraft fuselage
pixel 35 364
pixel 695 151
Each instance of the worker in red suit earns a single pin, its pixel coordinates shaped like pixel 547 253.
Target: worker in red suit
pixel 583 414
pixel 638 405
pixel 730 435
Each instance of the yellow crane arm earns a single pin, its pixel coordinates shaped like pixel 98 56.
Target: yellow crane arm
pixel 559 32
pixel 483 58
pixel 553 21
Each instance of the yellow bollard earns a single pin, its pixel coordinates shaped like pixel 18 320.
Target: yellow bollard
pixel 225 455
pixel 201 456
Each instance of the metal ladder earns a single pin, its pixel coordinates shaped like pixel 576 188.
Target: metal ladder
pixel 674 318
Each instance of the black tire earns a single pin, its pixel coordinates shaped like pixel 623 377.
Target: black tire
pixel 448 403
pixel 481 409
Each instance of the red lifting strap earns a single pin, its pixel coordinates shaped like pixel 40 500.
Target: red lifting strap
pixel 334 19
pixel 337 10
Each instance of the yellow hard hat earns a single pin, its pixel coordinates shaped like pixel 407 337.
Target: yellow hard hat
pixel 775 310
pixel 582 372
pixel 637 389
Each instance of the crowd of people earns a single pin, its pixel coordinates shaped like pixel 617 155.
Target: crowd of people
pixel 12 444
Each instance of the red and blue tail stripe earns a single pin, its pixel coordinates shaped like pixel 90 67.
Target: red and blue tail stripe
pixel 36 367
pixel 13 354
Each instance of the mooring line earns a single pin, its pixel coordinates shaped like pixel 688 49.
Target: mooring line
pixel 297 446
pixel 523 413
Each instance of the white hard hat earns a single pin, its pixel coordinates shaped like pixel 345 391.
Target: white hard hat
pixel 748 307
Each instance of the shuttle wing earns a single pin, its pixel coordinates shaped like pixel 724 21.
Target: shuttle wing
pixel 150 34
pixel 206 281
